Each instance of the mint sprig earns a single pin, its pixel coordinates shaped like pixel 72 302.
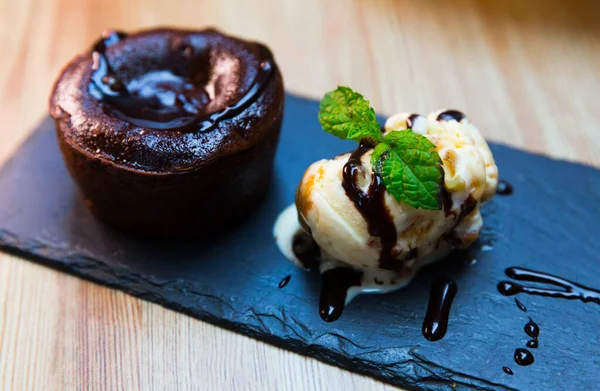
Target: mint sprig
pixel 348 115
pixel 407 162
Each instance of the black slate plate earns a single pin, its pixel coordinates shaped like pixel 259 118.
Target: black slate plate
pixel 550 224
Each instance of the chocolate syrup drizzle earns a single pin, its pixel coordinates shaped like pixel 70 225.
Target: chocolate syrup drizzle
pixel 371 205
pixel 441 295
pixel 451 115
pixel 532 343
pixel 533 331
pixel 335 282
pixel 150 112
pixel 334 290
pixel 524 356
pixel 307 251
pixel 520 305
pixel 571 291
pixel 410 121
pixel 466 208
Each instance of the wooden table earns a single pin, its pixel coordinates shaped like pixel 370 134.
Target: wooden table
pixel 526 72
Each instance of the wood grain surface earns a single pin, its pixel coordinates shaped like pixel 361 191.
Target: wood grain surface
pixel 527 72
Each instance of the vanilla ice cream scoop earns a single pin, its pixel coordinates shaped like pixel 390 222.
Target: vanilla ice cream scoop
pixel 356 223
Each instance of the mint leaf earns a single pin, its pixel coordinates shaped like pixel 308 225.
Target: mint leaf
pixel 348 115
pixel 410 168
pixel 377 157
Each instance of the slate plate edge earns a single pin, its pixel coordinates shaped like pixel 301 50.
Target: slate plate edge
pixel 427 375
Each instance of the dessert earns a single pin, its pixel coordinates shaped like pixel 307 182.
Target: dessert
pixel 407 196
pixel 170 132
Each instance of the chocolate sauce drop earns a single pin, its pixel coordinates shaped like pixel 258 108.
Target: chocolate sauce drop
pixel 179 114
pixel 508 371
pixel 371 206
pixel 523 357
pixel 532 329
pixel 570 291
pixel 508 288
pixel 285 281
pixel 520 305
pixel 533 344
pixel 306 250
pixel 334 290
pixel 441 295
pixel 504 188
pixel 451 115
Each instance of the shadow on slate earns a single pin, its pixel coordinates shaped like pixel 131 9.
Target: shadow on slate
pixel 549 224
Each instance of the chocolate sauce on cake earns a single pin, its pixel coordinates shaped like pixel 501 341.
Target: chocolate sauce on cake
pixel 569 291
pixel 165 99
pixel 371 205
pixel 104 77
pixel 441 295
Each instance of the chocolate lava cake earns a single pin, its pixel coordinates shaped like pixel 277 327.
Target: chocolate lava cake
pixel 168 132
